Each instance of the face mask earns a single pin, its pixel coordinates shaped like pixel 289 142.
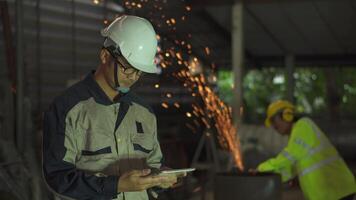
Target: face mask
pixel 123 89
pixel 119 88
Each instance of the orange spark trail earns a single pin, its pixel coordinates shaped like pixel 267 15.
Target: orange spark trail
pixel 218 110
pixel 214 112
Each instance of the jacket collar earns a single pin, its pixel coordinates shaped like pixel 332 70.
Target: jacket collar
pixel 98 93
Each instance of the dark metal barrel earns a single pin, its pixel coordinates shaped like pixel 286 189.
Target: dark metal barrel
pixel 247 186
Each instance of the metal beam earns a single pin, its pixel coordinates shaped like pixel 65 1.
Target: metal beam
pixel 310 60
pixel 230 2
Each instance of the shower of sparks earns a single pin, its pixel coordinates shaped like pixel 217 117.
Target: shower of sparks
pixel 165 105
pixel 207 50
pixel 163 65
pixel 213 113
pixel 214 110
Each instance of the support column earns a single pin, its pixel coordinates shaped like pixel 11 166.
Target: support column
pixel 19 76
pixel 237 60
pixel 290 68
pixel 38 56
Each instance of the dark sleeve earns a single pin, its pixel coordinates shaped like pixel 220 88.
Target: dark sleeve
pixel 59 170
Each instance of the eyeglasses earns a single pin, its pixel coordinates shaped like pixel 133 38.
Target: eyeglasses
pixel 130 70
pixel 127 70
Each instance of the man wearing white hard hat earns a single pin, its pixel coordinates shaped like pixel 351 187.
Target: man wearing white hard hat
pixel 100 140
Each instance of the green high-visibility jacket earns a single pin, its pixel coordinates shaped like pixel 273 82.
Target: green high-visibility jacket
pixel 322 173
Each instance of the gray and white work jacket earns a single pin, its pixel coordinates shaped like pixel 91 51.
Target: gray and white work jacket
pixel 89 141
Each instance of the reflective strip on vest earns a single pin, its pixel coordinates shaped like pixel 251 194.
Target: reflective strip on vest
pixel 311 151
pixel 303 144
pixel 288 156
pixel 317 149
pixel 319 165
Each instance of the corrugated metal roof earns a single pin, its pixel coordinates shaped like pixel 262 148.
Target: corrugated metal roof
pixel 317 32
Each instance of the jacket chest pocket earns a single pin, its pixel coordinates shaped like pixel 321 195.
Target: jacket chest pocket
pixel 141 139
pixel 95 142
pixel 142 143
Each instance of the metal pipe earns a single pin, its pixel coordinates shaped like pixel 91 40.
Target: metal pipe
pixel 74 61
pixel 290 68
pixel 19 76
pixel 8 41
pixel 237 60
pixel 38 55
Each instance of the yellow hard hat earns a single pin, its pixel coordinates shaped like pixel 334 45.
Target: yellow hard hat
pixel 278 106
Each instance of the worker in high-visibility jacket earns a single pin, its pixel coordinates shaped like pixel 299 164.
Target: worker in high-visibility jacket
pixel 322 173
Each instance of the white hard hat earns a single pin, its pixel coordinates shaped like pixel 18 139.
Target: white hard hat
pixel 135 39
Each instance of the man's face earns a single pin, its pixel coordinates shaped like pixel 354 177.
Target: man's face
pixel 127 75
pixel 281 126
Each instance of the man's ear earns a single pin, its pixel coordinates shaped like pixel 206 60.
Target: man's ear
pixel 104 56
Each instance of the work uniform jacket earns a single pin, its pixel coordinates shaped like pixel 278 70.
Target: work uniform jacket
pixel 89 141
pixel 322 173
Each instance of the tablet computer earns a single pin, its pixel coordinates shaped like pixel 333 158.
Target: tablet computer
pixel 175 171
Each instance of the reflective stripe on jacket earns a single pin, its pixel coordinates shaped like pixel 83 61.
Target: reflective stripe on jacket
pixel 322 173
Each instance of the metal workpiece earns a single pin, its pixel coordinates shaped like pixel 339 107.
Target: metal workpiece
pixel 248 186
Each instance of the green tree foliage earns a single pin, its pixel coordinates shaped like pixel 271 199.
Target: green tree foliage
pixel 268 84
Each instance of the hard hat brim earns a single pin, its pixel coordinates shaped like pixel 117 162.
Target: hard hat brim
pixel 151 69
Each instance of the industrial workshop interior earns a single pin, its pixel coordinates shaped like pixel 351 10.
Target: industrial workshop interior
pixel 178 99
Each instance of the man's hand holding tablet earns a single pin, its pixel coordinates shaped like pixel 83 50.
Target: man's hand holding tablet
pixel 170 173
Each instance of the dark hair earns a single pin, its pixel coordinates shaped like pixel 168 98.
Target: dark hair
pixel 112 47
